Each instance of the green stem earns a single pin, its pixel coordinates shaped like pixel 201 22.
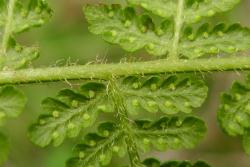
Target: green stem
pixel 133 154
pixel 8 25
pixel 178 26
pixel 124 124
pixel 105 71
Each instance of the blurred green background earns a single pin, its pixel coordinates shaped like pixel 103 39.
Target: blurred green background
pixel 65 40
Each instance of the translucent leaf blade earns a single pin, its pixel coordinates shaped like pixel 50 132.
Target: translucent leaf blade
pixel 15 17
pixel 97 149
pixel 163 8
pixel 169 133
pixel 220 39
pixel 12 102
pixel 169 94
pixel 131 32
pixel 234 112
pixel 4 151
pixel 193 10
pixel 35 14
pixel 68 113
pixel 17 56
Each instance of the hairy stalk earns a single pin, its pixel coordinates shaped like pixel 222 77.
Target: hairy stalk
pixel 7 29
pixel 105 71
pixel 125 124
pixel 178 26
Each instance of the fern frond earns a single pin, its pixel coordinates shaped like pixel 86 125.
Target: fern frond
pixel 194 10
pixel 97 149
pixel 151 162
pixel 16 18
pixel 131 32
pixel 73 110
pixel 12 103
pixel 213 41
pixel 169 133
pixel 170 94
pixel 69 112
pixel 234 112
pixel 4 151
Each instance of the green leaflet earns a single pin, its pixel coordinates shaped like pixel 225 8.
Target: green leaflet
pixel 169 133
pixel 15 17
pixel 68 113
pixel 73 110
pixel 133 32
pixel 17 56
pixel 124 27
pixel 173 132
pixel 4 151
pixel 151 162
pixel 194 10
pixel 234 112
pixel 219 39
pixel 170 94
pixel 12 103
pixel 97 149
pixel 163 8
pixel 23 18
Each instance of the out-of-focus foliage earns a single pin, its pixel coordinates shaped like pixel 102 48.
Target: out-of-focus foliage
pixel 4 145
pixel 15 17
pixel 12 103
